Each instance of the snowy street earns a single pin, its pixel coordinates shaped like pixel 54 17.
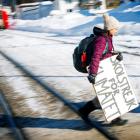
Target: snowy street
pixel 45 55
pixel 50 57
pixel 46 50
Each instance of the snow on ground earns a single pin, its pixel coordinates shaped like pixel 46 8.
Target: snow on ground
pixel 47 45
pixel 82 22
pixel 34 10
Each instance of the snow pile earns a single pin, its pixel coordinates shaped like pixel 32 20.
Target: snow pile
pixel 34 11
pixel 81 23
pixel 128 14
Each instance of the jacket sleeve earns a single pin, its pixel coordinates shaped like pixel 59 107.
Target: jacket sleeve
pixel 99 47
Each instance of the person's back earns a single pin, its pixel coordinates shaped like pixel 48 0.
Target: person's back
pixel 103 48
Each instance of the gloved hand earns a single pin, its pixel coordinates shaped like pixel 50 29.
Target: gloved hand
pixel 119 57
pixel 91 78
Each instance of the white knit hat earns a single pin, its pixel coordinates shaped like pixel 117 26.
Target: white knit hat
pixel 110 22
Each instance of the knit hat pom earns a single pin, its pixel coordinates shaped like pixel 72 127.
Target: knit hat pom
pixel 106 17
pixel 110 22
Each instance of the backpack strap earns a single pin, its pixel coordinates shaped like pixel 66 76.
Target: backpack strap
pixel 106 48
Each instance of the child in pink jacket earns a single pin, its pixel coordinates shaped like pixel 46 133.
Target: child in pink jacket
pixel 101 51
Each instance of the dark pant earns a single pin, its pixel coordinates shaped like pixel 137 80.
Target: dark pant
pixel 89 107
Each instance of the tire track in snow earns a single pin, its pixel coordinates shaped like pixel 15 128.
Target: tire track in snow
pixel 126 46
pixel 135 54
pixel 43 38
pixel 91 124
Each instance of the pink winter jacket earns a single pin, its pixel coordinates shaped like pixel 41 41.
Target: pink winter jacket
pixel 99 47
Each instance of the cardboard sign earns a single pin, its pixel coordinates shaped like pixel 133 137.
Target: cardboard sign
pixel 113 89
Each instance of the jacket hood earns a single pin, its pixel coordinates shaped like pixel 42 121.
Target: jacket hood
pixel 98 31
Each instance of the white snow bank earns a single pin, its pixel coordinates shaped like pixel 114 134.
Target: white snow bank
pixel 46 2
pixel 134 9
pixel 125 6
pixel 81 23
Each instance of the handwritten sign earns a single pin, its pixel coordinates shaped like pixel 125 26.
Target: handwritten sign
pixel 113 89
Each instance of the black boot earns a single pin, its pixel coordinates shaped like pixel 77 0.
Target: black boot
pixel 87 108
pixel 118 121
